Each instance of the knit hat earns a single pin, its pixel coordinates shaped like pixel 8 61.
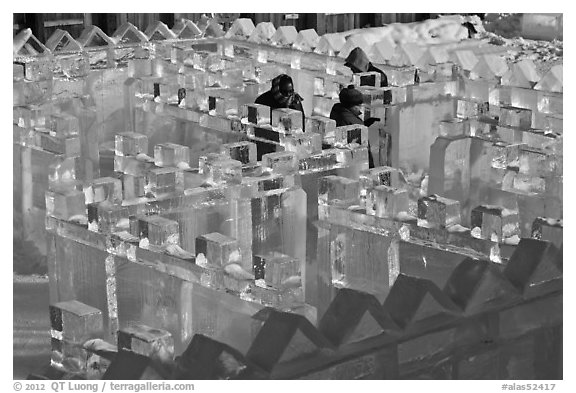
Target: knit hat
pixel 349 96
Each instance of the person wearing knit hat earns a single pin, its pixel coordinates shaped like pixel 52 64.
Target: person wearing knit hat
pixel 349 110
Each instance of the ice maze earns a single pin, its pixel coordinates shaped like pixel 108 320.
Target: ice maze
pixel 192 234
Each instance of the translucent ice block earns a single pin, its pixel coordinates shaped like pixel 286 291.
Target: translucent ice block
pixel 454 127
pixel 337 189
pixel 132 165
pixel 280 162
pixel 277 269
pixel 139 67
pixel 373 95
pixel 133 186
pixel 384 175
pixel 72 323
pixel 438 212
pixel 515 117
pixel 287 119
pixel 107 218
pixel 400 76
pixel 41 68
pixel 104 189
pixel 171 154
pixel 221 123
pixel 65 205
pixel 466 109
pixel 302 144
pixel 320 125
pixel 494 222
pixel 550 103
pixel 245 152
pixel 226 171
pixel 321 106
pixel 218 249
pixel 354 133
pixel 549 229
pixel 256 114
pixel 130 144
pixel 384 201
pixel 161 181
pixel 223 106
pixel 232 78
pixel 205 161
pixel 266 72
pixel 158 230
pixel 151 342
pixel 69 146
pixel 63 125
pixel 367 79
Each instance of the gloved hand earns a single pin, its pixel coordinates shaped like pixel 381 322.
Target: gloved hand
pixel 368 122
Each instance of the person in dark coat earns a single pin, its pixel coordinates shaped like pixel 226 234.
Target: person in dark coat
pixel 348 111
pixel 358 62
pixel 281 95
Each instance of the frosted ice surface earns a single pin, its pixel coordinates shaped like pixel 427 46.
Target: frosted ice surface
pixel 330 44
pixel 353 42
pixel 382 51
pixel 466 59
pixel 262 33
pixel 242 28
pixel 284 35
pixel 552 80
pixel 489 67
pixel 306 40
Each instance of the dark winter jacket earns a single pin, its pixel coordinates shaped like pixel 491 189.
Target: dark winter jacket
pixel 269 100
pixel 345 117
pixel 358 62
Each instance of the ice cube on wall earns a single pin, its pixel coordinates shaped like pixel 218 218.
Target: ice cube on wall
pixel 158 230
pixel 287 120
pixel 494 222
pixel 438 212
pixel 65 205
pixel 388 202
pixel 218 249
pixel 130 144
pixel 171 154
pixel 256 114
pixel 280 162
pixel 335 189
pixel 245 152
